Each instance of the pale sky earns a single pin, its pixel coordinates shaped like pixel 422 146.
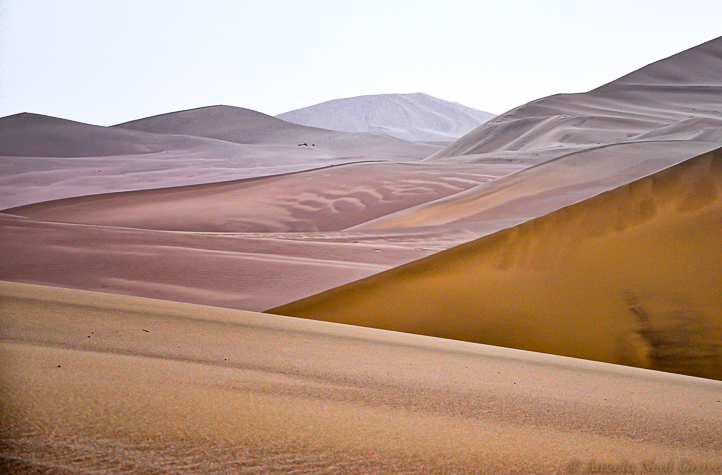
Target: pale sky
pixel 104 62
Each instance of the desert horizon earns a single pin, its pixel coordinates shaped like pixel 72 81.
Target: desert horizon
pixel 389 283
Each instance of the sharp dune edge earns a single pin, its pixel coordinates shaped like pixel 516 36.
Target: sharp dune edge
pixel 630 276
pixel 101 383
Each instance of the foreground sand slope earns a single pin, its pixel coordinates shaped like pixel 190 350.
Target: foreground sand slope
pixel 112 384
pixel 630 276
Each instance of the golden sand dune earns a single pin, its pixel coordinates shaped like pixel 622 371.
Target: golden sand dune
pixel 548 186
pixel 328 199
pixel 631 276
pixel 113 384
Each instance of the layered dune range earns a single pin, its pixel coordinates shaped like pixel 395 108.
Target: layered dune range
pixel 676 98
pixel 630 276
pixel 128 385
pixel 581 225
pixel 45 158
pixel 187 243
pixel 328 199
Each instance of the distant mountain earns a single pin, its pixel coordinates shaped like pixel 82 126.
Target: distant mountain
pixel 677 98
pixel 415 117
pixel 228 123
pixel 36 135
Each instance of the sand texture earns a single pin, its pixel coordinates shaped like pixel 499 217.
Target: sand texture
pixel 94 383
pixel 44 158
pixel 676 98
pixel 630 276
pixel 540 296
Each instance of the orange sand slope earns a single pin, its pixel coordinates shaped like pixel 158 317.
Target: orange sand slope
pixel 94 382
pixel 631 276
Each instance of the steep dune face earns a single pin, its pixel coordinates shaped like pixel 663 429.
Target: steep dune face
pixel 630 276
pixel 417 117
pixel 683 91
pixel 546 187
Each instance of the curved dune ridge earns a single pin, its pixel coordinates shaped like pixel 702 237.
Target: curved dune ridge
pixel 44 158
pixel 97 383
pixel 676 98
pixel 328 199
pixel 630 276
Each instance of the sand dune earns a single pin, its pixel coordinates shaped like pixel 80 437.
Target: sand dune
pixel 630 276
pixel 230 124
pixel 417 117
pixel 329 199
pixel 250 271
pixel 676 92
pixel 548 186
pixel 128 385
pixel 44 158
pixel 238 125
pixel 34 135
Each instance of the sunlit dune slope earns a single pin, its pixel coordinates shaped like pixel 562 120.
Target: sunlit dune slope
pixel 631 276
pixel 94 383
pixel 548 186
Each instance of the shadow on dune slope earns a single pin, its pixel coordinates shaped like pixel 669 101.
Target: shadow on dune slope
pixel 628 276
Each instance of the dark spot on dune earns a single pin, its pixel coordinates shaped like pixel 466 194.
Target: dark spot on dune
pixel 147 331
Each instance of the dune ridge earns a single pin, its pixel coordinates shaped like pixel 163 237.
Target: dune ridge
pixel 625 277
pixel 327 199
pixel 681 91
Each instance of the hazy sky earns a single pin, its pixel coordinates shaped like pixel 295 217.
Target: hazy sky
pixel 105 62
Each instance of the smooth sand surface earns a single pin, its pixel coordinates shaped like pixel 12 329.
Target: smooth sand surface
pixel 44 158
pixel 677 98
pixel 630 276
pixel 250 271
pixel 95 383
pixel 416 117
pixel 548 186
